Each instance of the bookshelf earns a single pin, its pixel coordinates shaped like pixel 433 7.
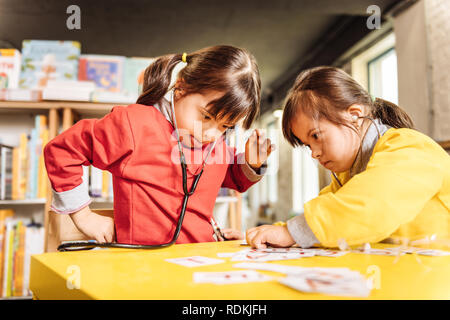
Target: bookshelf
pixel 61 116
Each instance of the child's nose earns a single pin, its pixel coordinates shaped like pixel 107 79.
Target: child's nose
pixel 316 153
pixel 211 134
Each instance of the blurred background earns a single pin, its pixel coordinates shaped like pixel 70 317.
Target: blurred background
pixel 397 50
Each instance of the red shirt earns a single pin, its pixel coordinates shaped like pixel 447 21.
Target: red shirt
pixel 135 143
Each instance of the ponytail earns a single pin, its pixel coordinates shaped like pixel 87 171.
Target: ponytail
pixel 157 79
pixel 391 114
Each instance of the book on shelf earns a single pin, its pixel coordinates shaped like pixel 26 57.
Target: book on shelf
pixel 10 61
pixel 19 239
pixel 69 90
pixel 112 97
pixel 99 181
pixel 105 70
pixel 133 74
pixel 6 171
pixel 20 94
pixel 22 168
pixel 44 60
pixel 56 70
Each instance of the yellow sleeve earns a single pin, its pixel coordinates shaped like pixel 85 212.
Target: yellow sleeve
pixel 280 223
pixel 401 177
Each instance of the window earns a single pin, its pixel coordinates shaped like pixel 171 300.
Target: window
pixel 305 178
pixel 382 76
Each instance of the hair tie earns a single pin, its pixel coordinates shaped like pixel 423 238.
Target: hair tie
pixel 183 57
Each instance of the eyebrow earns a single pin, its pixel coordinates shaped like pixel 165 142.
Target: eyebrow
pixel 209 114
pixel 310 130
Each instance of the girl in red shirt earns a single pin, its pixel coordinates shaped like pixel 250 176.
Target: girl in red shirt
pixel 203 94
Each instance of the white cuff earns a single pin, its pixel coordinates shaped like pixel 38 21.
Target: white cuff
pixel 301 232
pixel 71 201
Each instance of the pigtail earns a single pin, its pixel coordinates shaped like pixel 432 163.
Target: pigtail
pixel 391 114
pixel 157 79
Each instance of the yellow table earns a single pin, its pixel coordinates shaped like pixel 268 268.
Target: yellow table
pixel 141 274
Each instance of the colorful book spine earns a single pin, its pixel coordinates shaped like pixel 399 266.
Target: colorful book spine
pixel 105 183
pixel 21 239
pixel 42 171
pixel 10 61
pixel 23 172
pixel 4 215
pixel 44 60
pixel 18 271
pixel 8 261
pixel 31 186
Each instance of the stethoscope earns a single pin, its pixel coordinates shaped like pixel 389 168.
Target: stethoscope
pixel 90 244
pixel 360 146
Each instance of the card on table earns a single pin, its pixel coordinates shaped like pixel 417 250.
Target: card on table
pixel 339 287
pixel 329 253
pixel 432 252
pixel 195 261
pixel 269 255
pixel 380 252
pixel 230 277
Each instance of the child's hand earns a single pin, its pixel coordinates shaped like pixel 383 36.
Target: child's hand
pixel 232 234
pixel 269 235
pixel 93 225
pixel 257 149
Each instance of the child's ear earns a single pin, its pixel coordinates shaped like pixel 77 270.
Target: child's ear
pixel 355 110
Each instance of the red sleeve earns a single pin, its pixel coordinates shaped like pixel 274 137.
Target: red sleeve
pixel 239 175
pixel 105 143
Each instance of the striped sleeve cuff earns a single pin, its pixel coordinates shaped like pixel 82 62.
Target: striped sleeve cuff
pixel 71 201
pixel 301 232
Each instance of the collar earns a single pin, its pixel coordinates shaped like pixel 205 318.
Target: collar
pixel 164 107
pixel 368 144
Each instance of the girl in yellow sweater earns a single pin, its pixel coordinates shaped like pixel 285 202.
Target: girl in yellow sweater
pixel 388 180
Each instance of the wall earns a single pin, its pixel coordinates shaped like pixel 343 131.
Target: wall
pixel 423 52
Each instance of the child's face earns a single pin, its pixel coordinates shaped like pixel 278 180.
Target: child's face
pixel 334 146
pixel 196 125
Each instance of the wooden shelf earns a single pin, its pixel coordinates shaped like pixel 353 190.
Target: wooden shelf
pixel 46 105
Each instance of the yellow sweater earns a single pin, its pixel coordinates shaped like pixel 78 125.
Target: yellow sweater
pixel 404 192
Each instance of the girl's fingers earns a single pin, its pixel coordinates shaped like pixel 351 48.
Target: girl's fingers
pixel 100 239
pixel 259 241
pixel 249 236
pixel 233 234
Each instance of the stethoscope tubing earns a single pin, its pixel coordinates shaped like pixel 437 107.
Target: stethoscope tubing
pixel 87 245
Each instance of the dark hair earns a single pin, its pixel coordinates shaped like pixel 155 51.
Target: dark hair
pixel 325 92
pixel 221 68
